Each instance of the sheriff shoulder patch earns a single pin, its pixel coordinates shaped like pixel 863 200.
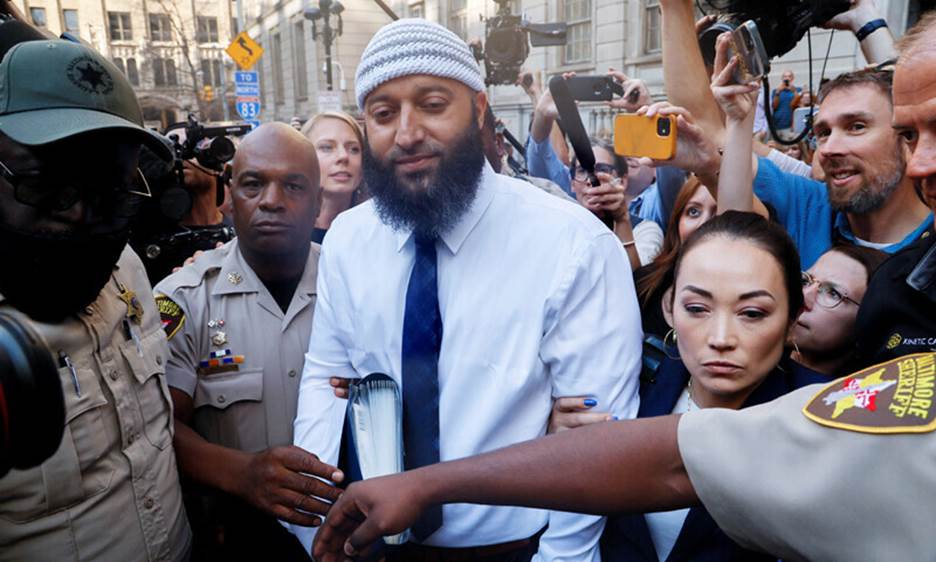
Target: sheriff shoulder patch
pixel 891 397
pixel 170 314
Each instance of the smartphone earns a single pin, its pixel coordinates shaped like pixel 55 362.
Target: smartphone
pixel 638 136
pixel 754 63
pixel 593 88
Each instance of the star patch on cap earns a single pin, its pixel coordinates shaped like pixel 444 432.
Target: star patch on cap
pixel 892 397
pixel 90 75
pixel 170 314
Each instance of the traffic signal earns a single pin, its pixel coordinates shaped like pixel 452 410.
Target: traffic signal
pixel 207 93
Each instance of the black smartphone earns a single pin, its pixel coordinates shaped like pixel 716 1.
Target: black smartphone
pixel 593 88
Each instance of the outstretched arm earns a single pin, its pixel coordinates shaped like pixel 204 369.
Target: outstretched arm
pixel 735 181
pixel 684 73
pixel 632 465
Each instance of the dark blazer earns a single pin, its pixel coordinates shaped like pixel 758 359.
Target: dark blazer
pixel 627 537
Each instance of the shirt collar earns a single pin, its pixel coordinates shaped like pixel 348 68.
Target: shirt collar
pixel 454 238
pixel 236 276
pixel 844 230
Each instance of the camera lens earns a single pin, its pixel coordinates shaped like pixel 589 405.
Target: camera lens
pixel 663 127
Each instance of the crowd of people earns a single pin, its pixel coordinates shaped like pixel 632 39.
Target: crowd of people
pixel 730 349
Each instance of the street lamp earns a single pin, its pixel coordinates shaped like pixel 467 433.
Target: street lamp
pixel 324 11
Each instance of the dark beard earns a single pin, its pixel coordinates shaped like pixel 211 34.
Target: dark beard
pixel 436 209
pixel 51 277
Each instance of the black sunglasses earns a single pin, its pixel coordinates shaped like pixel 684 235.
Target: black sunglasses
pixel 34 190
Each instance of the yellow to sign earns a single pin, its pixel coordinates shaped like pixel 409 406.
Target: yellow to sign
pixel 244 50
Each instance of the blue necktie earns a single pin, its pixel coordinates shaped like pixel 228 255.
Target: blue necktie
pixel 422 340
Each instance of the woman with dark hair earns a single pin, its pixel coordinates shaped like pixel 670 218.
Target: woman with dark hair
pixel 731 319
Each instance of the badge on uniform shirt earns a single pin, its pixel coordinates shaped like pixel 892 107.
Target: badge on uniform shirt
pixel 892 397
pixel 170 314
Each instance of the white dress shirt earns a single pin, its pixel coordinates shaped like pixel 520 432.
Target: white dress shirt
pixel 537 301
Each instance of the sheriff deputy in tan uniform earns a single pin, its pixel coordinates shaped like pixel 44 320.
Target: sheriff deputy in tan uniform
pixel 238 321
pixel 111 490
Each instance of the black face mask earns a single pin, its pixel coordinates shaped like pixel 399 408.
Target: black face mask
pixel 50 277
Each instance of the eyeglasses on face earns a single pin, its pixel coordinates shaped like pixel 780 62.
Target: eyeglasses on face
pixel 579 173
pixel 58 192
pixel 827 294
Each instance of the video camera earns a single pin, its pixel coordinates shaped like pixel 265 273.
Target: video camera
pixel 32 409
pixel 158 236
pixel 209 146
pixel 782 23
pixel 507 43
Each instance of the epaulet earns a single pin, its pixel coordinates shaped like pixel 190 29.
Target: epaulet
pixel 193 274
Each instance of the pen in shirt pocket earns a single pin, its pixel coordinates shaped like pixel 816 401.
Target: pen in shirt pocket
pixel 65 362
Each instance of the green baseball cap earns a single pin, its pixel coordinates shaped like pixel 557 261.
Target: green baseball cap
pixel 51 90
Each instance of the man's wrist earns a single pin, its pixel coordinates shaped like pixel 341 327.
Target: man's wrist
pixel 869 27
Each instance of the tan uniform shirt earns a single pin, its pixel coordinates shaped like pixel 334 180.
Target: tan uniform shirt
pixel 111 490
pixel 844 471
pixel 227 311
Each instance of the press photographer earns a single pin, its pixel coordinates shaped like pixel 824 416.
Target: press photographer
pixel 183 215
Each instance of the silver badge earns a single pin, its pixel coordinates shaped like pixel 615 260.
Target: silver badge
pixel 235 278
pixel 219 338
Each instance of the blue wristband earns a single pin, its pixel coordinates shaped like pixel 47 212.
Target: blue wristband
pixel 869 28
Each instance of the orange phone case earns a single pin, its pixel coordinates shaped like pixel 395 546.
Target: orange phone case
pixel 638 136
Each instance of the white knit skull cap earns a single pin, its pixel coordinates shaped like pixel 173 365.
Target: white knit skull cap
pixel 415 46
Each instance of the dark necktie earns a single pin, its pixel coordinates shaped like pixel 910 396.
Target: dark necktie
pixel 422 339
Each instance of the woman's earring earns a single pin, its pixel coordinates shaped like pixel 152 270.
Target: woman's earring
pixel 671 335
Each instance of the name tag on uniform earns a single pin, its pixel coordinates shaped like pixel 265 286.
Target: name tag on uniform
pixel 892 397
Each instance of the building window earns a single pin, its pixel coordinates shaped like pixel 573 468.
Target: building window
pixel 211 72
pixel 119 25
pixel 38 16
pixel 417 10
pixel 207 29
pixel 653 42
pixel 129 70
pixel 278 94
pixel 300 72
pixel 71 20
pixel 160 27
pixel 132 74
pixel 164 72
pixel 458 17
pixel 578 48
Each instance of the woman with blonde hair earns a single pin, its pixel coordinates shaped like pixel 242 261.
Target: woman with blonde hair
pixel 339 144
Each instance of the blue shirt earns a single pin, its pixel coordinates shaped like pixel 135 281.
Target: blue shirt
pixel 542 162
pixel 783 115
pixel 803 208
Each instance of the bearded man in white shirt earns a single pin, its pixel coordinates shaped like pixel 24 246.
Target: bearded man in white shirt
pixel 482 298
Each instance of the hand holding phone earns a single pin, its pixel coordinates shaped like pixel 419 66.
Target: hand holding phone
pixel 737 101
pixel 641 136
pixel 753 62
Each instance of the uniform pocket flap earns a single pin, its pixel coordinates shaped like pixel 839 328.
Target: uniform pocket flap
pixel 222 390
pixel 147 359
pixel 82 391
